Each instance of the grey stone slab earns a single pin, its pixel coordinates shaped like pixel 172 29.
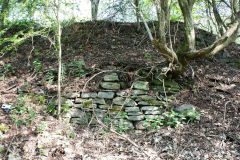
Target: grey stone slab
pixel 153 112
pixel 136 118
pixel 132 109
pixel 117 108
pixel 80 121
pixel 112 77
pixel 77 105
pixel 99 101
pixel 185 108
pixel 134 113
pixel 110 85
pixel 100 113
pixel 145 98
pixel 137 92
pixel 122 94
pixel 104 106
pixel 76 113
pixel 124 101
pixel 151 103
pixel 149 108
pixel 141 85
pixel 106 95
pixel 89 95
pixel 72 95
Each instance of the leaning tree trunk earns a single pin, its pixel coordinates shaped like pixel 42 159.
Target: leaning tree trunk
pixel 94 9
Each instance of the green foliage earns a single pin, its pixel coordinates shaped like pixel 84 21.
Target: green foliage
pixel 148 56
pixel 50 76
pixel 42 127
pixel 51 109
pixel 37 65
pixel 71 135
pixel 41 99
pixel 22 115
pixel 65 108
pixel 76 68
pixel 2 149
pixel 9 42
pixel 122 125
pixel 6 70
pixel 176 14
pixel 173 119
pixel 3 128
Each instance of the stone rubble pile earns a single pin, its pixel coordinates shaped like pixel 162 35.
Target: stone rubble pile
pixel 110 101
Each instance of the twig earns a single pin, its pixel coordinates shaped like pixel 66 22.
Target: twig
pixel 30 54
pixel 193 74
pixel 225 110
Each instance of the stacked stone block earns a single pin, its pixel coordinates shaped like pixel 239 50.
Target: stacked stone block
pixel 111 101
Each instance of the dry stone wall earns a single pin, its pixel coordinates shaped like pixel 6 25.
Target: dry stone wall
pixel 122 107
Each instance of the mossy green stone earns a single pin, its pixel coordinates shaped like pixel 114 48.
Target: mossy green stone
pixel 151 103
pixel 110 85
pixel 124 101
pixel 141 85
pixel 112 77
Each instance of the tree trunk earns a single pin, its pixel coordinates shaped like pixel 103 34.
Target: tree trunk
pixel 94 9
pixel 59 44
pixel 218 18
pixel 4 12
pixel 186 8
pixel 137 15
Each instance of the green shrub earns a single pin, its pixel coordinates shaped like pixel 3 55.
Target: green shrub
pixel 76 68
pixel 173 119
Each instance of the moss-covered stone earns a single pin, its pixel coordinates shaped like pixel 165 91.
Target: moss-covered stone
pixel 141 85
pixel 136 118
pixel 124 101
pixel 149 108
pixel 144 98
pixel 99 101
pixel 137 92
pixel 151 103
pixel 106 95
pixel 112 77
pixel 89 95
pixel 110 85
pixel 132 109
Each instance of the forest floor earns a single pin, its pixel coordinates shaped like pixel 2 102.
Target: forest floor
pixel 213 86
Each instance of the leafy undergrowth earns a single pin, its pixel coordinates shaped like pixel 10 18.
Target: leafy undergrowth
pixel 30 131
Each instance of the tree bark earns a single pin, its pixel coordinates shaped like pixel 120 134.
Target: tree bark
pixel 137 14
pixel 94 9
pixel 59 44
pixel 186 8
